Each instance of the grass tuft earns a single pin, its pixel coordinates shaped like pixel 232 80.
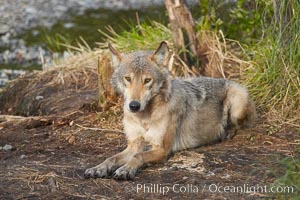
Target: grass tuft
pixel 289 183
pixel 144 36
pixel 274 79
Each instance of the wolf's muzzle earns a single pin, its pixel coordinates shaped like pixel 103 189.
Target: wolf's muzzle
pixel 134 106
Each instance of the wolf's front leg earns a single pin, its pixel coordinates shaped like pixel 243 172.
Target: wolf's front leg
pixel 129 170
pixel 107 167
pixel 160 136
pixel 158 153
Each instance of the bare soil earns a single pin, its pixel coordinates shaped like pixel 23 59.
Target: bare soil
pixel 51 152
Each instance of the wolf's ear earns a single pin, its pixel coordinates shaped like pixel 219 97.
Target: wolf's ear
pixel 116 56
pixel 162 55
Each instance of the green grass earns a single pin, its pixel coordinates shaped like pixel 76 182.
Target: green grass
pixel 144 36
pixel 86 26
pixel 275 78
pixel 56 43
pixel 290 178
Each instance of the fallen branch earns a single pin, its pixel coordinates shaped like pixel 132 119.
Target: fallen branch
pixel 7 118
pixel 4 118
pixel 99 129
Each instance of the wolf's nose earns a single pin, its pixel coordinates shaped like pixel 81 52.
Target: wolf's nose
pixel 134 106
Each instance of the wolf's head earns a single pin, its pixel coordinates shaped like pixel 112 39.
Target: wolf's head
pixel 140 75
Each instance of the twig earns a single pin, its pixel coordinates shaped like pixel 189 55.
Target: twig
pixel 99 129
pixel 4 118
pixel 67 115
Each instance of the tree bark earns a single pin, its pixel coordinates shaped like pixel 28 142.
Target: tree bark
pixel 107 94
pixel 181 20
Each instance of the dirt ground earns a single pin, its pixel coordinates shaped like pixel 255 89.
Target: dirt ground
pixel 50 154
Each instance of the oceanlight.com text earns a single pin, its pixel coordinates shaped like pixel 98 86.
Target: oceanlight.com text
pixel 212 188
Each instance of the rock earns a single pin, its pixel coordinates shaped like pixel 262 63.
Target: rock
pixel 5 39
pixel 69 25
pixel 3 79
pixel 3 75
pixel 4 29
pixel 39 97
pixel 35 32
pixel 7 147
pixel 5 56
pixel 3 82
pixel 31 10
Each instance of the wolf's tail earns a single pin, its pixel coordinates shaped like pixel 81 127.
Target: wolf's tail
pixel 242 112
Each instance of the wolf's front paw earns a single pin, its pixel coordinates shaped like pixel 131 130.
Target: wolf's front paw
pixel 100 171
pixel 125 173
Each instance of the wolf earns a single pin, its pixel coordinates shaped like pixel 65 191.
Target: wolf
pixel 163 115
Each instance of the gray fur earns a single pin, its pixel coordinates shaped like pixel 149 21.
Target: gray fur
pixel 173 114
pixel 197 102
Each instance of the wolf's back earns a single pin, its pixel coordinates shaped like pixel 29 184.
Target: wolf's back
pixel 207 108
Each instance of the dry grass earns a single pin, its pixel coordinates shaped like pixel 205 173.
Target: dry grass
pixel 222 57
pixel 74 66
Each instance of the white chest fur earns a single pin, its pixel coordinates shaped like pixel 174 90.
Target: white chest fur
pixel 151 128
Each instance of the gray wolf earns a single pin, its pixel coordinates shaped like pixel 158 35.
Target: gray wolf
pixel 163 115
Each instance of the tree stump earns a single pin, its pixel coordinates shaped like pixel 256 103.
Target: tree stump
pixel 181 21
pixel 107 94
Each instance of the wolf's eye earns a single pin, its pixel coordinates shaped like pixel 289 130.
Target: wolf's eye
pixel 147 80
pixel 127 78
